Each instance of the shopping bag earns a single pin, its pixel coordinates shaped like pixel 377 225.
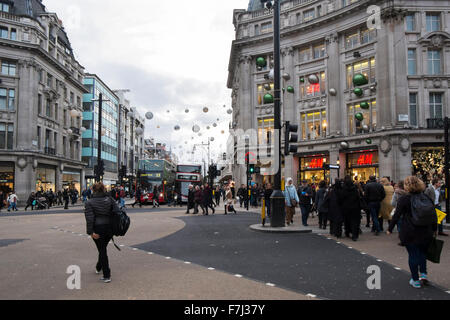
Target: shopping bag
pixel 435 250
pixel 441 215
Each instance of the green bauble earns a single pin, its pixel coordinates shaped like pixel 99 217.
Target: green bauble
pixel 302 79
pixel 364 105
pixel 369 141
pixel 268 98
pixel 360 80
pixel 290 89
pixel 261 62
pixel 359 116
pixel 358 91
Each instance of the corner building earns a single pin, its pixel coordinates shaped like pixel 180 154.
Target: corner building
pixel 40 102
pixel 392 126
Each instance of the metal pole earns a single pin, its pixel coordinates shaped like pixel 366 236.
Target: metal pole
pixel 277 198
pixel 99 138
pixel 447 167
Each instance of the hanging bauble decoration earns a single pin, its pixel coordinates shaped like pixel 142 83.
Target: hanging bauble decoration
pixel 344 145
pixel 168 111
pixel 149 115
pixel 208 127
pixel 358 91
pixel 271 74
pixel 369 141
pixel 139 131
pixel 366 128
pixel 218 119
pixel 333 92
pixel 158 127
pixel 359 116
pixel 302 79
pixel 267 87
pixel 290 89
pixel 185 142
pixel 214 125
pixel 261 62
pixel 364 105
pixel 222 132
pixel 177 128
pixel 313 79
pixel 186 111
pixel 230 111
pixel 212 139
pixel 205 110
pixel 286 76
pixel 268 98
pixel 196 128
pixel 69 131
pixel 360 80
pixel 200 134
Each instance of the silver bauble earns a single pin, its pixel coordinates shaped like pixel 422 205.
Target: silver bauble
pixel 196 128
pixel 149 115
pixel 313 79
pixel 333 92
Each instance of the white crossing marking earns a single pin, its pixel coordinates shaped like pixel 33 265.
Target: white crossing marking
pixel 363 253
pixel 397 268
pixel 211 269
pixel 270 284
pixel 168 258
pixel 187 262
pixel 238 276
pixel 350 247
pixel 311 295
pixel 379 260
pixel 448 292
pixel 338 242
pixel 150 252
pixel 134 249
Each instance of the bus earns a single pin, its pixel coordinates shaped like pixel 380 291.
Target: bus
pixel 159 173
pixel 187 175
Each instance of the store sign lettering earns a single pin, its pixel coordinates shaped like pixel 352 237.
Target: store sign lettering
pixel 365 159
pixel 316 163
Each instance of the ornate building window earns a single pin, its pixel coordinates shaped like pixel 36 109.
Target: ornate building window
pixel 412 62
pixel 436 105
pixel 6 136
pixel 356 126
pixel 434 62
pixel 8 68
pixel 309 15
pixel 410 21
pixel 433 21
pixel 365 67
pixel 313 124
pixel 309 90
pixel 7 99
pixel 266 27
pixel 4 7
pixel 261 92
pixel 413 109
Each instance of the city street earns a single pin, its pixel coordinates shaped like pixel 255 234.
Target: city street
pixel 167 255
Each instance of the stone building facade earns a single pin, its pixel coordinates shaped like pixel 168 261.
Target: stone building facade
pixel 391 126
pixel 41 91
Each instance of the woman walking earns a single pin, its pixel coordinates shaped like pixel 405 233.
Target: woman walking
pixel 98 213
pixel 386 207
pixel 229 201
pixel 291 200
pixel 334 209
pixel 416 239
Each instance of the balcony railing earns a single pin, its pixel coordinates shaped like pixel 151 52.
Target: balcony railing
pixel 50 151
pixel 435 123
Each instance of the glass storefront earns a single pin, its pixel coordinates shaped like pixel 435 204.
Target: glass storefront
pixel 312 169
pixel 362 164
pixel 71 180
pixel 45 179
pixel 6 177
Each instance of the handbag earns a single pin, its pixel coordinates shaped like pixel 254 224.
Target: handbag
pixel 435 250
pixel 293 201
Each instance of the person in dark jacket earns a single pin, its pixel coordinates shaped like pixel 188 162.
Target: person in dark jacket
pixel 374 193
pixel 30 201
pixel 191 199
pixel 138 198
pixel 217 194
pixel 2 200
pixel 98 213
pixel 349 200
pixel 416 239
pixel 267 194
pixel 305 194
pixel 198 200
pixel 242 191
pixel 66 197
pixel 334 210
pixel 208 199
pixel 319 201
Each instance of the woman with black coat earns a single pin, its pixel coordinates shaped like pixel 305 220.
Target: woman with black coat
pixel 98 213
pixel 416 239
pixel 334 210
pixel 349 199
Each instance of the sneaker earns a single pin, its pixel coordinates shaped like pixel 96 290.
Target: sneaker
pixel 415 284
pixel 98 271
pixel 106 280
pixel 424 278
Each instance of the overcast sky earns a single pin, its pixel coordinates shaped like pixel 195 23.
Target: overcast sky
pixel 172 55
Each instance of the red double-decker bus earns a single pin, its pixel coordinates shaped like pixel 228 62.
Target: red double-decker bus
pixel 187 175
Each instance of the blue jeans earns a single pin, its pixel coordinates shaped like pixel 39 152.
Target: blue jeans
pixel 306 209
pixel 12 205
pixel 417 260
pixel 374 208
pixel 122 202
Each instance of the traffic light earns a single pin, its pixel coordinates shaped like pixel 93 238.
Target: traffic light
pixel 99 169
pixel 251 169
pixel 123 171
pixel 290 137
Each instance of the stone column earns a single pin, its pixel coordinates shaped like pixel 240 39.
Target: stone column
pixel 246 92
pixel 24 180
pixel 26 111
pixel 334 112
pixel 289 106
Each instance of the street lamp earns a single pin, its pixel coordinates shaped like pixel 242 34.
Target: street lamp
pixel 277 198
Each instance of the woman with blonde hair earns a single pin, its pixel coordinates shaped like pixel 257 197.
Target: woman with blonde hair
pixel 416 238
pixel 386 206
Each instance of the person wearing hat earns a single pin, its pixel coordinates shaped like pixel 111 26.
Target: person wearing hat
pixel 291 200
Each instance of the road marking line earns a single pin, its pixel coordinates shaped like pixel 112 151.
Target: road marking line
pixel 187 262
pixel 211 269
pixel 379 260
pixel 311 295
pixel 350 247
pixel 363 253
pixel 168 258
pixel 134 249
pixel 448 292
pixel 270 284
pixel 338 242
pixel 238 276
pixel 150 252
pixel 397 268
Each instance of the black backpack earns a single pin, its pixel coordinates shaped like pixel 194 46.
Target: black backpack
pixel 423 212
pixel 120 223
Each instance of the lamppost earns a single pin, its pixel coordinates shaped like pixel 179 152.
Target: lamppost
pixel 277 198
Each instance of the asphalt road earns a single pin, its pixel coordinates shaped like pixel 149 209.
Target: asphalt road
pixel 310 264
